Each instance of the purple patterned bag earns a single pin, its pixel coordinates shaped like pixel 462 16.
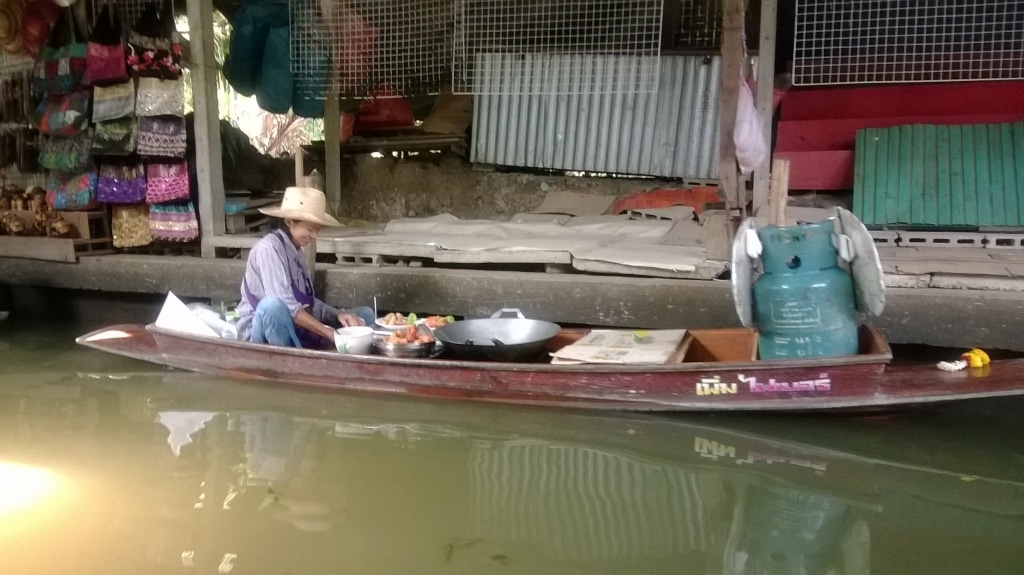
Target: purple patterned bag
pixel 162 136
pixel 166 183
pixel 121 184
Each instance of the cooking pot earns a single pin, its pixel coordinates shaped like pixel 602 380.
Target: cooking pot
pixel 498 338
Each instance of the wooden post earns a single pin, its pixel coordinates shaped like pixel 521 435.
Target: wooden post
pixel 779 194
pixel 732 62
pixel 765 94
pixel 209 172
pixel 332 150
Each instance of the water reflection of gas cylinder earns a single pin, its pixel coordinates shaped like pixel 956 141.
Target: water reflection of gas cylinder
pixel 804 301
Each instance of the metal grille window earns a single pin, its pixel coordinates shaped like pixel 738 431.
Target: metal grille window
pixel 871 41
pixel 520 46
pixel 402 43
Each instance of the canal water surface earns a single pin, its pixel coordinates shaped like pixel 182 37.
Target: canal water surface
pixel 111 466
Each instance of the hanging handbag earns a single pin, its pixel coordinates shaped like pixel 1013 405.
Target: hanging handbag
pixel 72 155
pixel 61 63
pixel 275 82
pixel 162 136
pixel 152 48
pixel 104 52
pixel 157 97
pixel 115 137
pixel 121 184
pixel 174 222
pixel 248 37
pixel 166 183
pixel 71 192
pixel 129 224
pixel 63 114
pixel 110 102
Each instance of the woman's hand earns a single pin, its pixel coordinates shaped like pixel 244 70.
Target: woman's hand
pixel 349 319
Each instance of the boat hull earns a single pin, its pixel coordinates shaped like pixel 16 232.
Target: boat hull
pixel 853 383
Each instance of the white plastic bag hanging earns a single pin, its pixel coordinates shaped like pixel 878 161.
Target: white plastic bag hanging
pixel 748 135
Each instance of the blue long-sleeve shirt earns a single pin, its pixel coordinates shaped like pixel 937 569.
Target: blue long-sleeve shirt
pixel 268 272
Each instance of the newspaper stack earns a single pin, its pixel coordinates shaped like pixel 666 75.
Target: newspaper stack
pixel 622 347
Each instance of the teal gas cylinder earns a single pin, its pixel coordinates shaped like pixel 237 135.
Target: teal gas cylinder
pixel 803 303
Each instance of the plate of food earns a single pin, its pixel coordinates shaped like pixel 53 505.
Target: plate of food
pixel 396 321
pixel 436 321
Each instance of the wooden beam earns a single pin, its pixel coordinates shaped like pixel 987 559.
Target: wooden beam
pixel 332 150
pixel 765 93
pixel 732 63
pixel 207 123
pixel 778 195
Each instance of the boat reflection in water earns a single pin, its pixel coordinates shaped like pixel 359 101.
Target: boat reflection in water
pixel 178 471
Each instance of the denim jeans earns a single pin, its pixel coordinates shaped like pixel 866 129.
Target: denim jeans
pixel 272 323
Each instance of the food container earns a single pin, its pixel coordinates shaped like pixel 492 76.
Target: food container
pixel 355 339
pixel 403 349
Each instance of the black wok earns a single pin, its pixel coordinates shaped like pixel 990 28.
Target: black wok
pixel 497 339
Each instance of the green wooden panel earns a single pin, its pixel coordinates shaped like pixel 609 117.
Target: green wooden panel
pixel 1011 199
pixel 983 175
pixel 892 185
pixel 1018 155
pixel 943 176
pixel 929 194
pixel 970 177
pixel 861 151
pixel 916 191
pixel 995 170
pixel 869 174
pixel 944 204
pixel 956 176
pixel 903 188
pixel 881 175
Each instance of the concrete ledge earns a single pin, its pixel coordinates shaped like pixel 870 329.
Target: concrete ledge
pixel 941 317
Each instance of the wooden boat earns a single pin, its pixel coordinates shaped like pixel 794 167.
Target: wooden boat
pixel 713 370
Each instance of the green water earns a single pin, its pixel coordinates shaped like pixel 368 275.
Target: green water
pixel 112 466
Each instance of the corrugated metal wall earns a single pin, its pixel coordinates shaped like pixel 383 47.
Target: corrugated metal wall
pixel 670 132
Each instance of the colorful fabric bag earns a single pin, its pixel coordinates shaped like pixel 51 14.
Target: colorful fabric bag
pixel 115 137
pixel 158 97
pixel 63 114
pixel 129 225
pixel 174 222
pixel 167 183
pixel 153 50
pixel 104 52
pixel 121 184
pixel 71 155
pixel 162 136
pixel 61 63
pixel 112 102
pixel 71 192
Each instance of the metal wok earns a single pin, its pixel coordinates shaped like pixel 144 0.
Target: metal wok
pixel 497 338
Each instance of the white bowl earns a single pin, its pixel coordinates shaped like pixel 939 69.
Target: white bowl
pixel 356 339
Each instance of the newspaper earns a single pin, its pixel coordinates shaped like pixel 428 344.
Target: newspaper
pixel 621 346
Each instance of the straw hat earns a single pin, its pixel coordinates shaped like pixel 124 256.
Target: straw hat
pixel 306 204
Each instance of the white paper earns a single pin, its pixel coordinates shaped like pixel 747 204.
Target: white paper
pixel 182 425
pixel 176 316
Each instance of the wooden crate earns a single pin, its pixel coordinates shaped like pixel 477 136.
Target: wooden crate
pixel 91 236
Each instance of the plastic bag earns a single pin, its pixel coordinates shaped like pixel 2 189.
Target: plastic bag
pixel 748 135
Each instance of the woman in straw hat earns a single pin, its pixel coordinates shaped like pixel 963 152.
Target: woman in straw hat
pixel 278 306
